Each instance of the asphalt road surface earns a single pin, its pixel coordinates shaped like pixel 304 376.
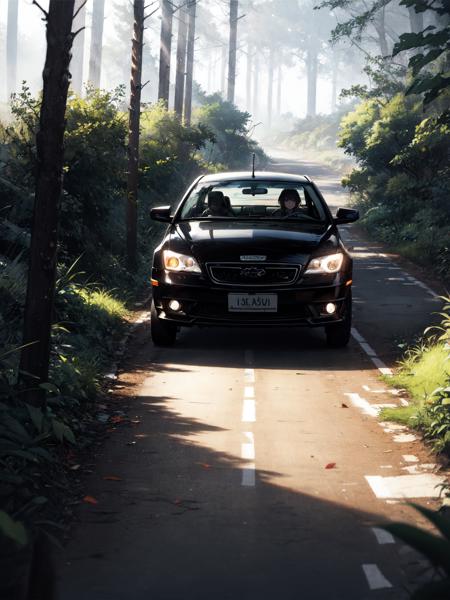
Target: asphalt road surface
pixel 257 468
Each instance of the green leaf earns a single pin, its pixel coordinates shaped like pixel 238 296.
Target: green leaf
pixel 435 548
pixel 62 431
pixel 441 523
pixel 49 387
pixel 26 454
pixel 14 530
pixel 36 416
pixel 68 434
pixel 58 429
pixel 17 428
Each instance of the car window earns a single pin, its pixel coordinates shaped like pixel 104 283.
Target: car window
pixel 254 199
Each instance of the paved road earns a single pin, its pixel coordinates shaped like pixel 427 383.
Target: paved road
pixel 258 469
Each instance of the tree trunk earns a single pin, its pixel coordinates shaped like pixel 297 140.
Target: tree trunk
pixel 165 51
pixel 311 69
pixel 256 84
pixel 95 58
pixel 181 63
pixel 249 77
pixel 380 27
pixel 133 132
pixel 190 63
pixel 232 47
pixel 279 88
pixel 415 20
pixel 334 78
pixel 223 73
pixel 210 68
pixel 34 358
pixel 270 85
pixel 11 47
pixel 78 47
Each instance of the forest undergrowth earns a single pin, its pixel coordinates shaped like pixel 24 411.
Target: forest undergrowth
pixel 95 292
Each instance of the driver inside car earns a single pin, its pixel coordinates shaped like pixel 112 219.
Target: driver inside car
pixel 289 201
pixel 218 206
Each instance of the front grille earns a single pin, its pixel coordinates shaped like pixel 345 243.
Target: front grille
pixel 253 275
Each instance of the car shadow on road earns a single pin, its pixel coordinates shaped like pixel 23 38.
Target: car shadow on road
pixel 287 348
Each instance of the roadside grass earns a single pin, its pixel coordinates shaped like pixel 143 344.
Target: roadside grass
pixel 424 373
pixel 424 369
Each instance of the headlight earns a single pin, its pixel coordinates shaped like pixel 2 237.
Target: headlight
pixel 180 262
pixel 325 264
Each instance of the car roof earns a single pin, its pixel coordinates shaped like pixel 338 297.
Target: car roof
pixel 259 176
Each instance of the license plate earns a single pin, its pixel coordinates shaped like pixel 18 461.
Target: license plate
pixel 252 302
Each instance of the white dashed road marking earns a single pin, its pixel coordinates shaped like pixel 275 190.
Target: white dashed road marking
pixel 249 416
pixel 248 453
pixel 410 458
pixel 383 537
pixel 406 486
pixel 375 577
pixel 249 411
pixel 249 375
pixel 362 404
pixel 371 353
pixel 249 391
pixel 248 476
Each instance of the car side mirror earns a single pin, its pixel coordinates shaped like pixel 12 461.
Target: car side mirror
pixel 345 215
pixel 161 213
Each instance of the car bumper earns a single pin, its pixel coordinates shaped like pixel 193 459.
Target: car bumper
pixel 208 306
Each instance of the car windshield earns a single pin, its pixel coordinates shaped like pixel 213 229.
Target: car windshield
pixel 254 199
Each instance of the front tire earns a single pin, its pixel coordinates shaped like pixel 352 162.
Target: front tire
pixel 338 334
pixel 163 333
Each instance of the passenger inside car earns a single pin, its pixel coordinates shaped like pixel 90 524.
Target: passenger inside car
pixel 289 201
pixel 218 206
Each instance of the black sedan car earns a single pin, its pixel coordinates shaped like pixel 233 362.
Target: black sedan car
pixel 244 249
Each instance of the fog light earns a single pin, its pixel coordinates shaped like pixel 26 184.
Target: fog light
pixel 174 305
pixel 330 308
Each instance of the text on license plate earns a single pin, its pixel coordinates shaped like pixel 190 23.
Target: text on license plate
pixel 252 302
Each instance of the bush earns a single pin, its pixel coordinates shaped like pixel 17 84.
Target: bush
pixel 231 145
pixel 402 181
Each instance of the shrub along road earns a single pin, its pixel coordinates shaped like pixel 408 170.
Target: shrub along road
pixel 256 466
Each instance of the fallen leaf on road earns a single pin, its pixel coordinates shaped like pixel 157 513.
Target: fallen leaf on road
pixel 330 466
pixel 112 478
pixel 205 465
pixel 343 405
pixel 90 500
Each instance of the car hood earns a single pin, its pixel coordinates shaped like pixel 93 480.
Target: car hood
pixel 229 240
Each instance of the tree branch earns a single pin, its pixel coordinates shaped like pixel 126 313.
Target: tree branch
pixel 79 9
pixel 152 13
pixel 41 9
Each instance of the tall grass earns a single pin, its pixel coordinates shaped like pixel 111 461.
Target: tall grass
pixel 425 374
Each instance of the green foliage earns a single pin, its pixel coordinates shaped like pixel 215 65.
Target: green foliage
pixel 402 181
pixel 429 63
pixel 434 547
pixel 170 151
pixel 230 144
pixel 423 369
pixel 425 374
